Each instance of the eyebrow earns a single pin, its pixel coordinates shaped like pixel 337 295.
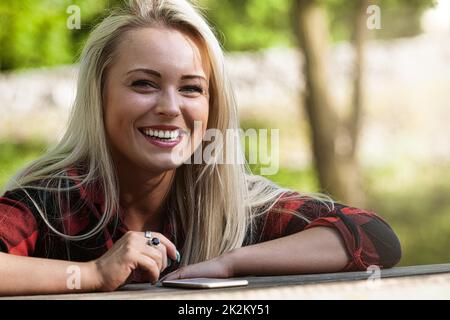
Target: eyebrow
pixel 157 74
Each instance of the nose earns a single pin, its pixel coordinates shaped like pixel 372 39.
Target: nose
pixel 168 104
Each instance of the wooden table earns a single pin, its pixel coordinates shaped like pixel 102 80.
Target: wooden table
pixel 415 282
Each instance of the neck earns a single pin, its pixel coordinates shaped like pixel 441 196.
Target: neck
pixel 142 196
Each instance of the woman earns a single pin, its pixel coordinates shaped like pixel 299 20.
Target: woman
pixel 117 198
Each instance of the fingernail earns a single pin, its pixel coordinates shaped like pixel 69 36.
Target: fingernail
pixel 178 257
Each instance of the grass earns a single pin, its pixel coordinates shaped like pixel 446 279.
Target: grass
pixel 413 198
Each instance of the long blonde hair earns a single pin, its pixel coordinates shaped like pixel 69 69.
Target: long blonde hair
pixel 215 204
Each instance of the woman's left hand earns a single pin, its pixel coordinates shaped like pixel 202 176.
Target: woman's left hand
pixel 220 267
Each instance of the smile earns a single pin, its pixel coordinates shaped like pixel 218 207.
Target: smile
pixel 162 138
pixel 164 135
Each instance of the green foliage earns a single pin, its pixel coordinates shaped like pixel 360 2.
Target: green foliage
pixel 304 180
pixel 414 200
pixel 14 156
pixel 254 24
pixel 399 18
pixel 35 33
pixel 250 24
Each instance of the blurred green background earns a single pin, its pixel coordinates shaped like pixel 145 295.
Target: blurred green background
pixel 413 196
pixel 31 32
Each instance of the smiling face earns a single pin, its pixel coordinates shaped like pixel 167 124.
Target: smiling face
pixel 154 91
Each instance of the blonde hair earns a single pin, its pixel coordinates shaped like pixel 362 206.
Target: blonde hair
pixel 216 204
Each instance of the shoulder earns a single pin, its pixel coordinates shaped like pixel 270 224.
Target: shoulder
pixel 57 202
pixel 289 213
pixel 308 205
pixel 22 206
pixel 62 191
pixel 18 200
pixel 18 224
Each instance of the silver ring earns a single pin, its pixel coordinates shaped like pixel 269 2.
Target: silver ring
pixel 148 234
pixel 154 242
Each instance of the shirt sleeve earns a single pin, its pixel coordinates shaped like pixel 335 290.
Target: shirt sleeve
pixel 368 238
pixel 19 229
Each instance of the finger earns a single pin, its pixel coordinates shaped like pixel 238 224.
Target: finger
pixel 170 276
pixel 176 275
pixel 155 253
pixel 163 249
pixel 150 266
pixel 144 245
pixel 170 247
pixel 164 257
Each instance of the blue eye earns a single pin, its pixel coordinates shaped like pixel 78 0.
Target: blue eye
pixel 192 89
pixel 143 83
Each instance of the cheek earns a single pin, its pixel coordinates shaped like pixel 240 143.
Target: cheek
pixel 195 113
pixel 122 108
pixel 198 111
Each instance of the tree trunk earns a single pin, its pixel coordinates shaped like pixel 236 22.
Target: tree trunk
pixel 358 39
pixel 333 140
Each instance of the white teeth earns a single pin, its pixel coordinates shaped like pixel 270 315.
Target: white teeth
pixel 162 134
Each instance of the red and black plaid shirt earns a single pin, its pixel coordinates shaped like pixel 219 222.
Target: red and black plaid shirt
pixel 368 238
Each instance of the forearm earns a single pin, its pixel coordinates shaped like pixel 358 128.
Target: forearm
pixel 315 250
pixel 27 276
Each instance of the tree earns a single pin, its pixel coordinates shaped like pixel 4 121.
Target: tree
pixel 336 163
pixel 335 139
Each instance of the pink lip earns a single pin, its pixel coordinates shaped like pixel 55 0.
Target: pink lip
pixel 160 143
pixel 163 144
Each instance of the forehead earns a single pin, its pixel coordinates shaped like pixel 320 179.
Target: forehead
pixel 161 49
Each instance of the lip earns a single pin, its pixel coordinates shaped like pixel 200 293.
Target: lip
pixel 161 127
pixel 165 127
pixel 163 144
pixel 159 143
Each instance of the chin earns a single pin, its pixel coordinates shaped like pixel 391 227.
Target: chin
pixel 166 164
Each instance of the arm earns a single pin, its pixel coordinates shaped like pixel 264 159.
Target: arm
pixel 315 250
pixel 27 275
pixel 343 239
pixel 23 273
